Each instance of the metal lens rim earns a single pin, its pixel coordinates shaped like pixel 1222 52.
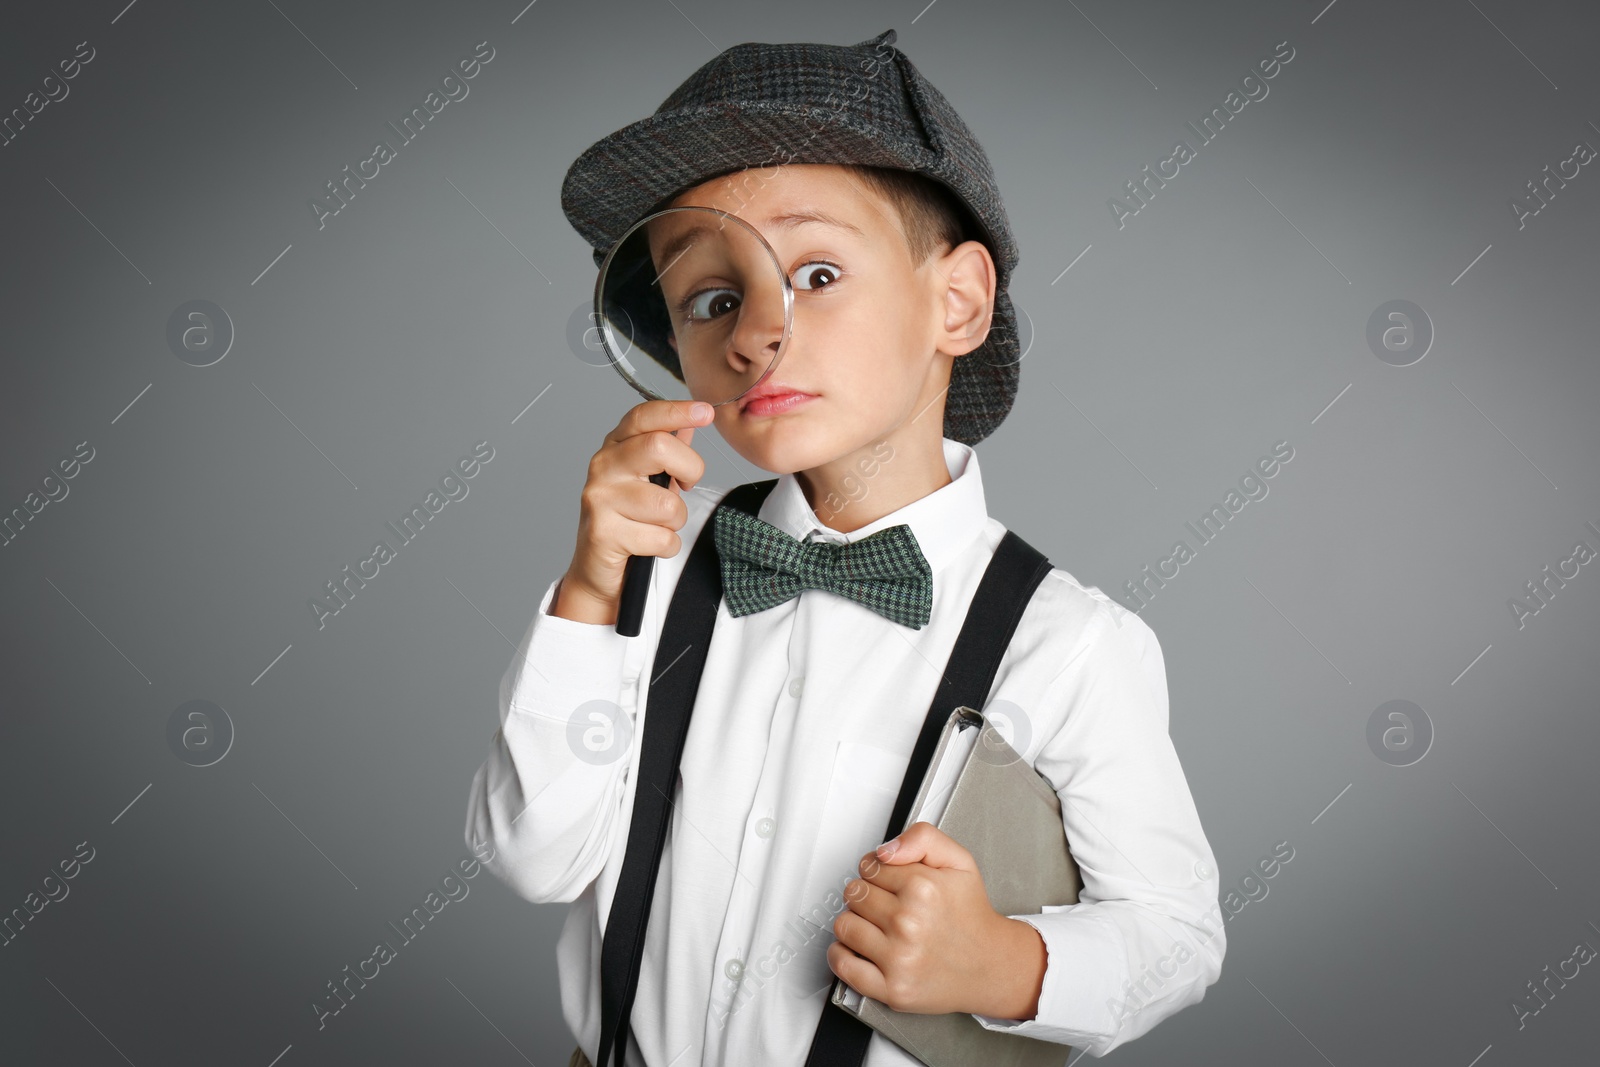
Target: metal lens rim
pixel 621 365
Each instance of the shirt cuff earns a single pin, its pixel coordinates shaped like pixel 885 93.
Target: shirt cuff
pixel 563 663
pixel 1085 956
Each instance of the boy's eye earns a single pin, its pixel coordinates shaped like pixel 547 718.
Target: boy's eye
pixel 815 275
pixel 711 303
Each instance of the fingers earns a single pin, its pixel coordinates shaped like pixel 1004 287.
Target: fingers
pixel 886 876
pixel 634 538
pixel 644 501
pixel 632 518
pixel 622 513
pixel 665 415
pixel 861 935
pixel 870 902
pixel 655 436
pixel 922 842
pixel 687 437
pixel 637 458
pixel 858 973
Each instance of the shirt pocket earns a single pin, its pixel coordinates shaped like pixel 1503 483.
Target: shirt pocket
pixel 861 793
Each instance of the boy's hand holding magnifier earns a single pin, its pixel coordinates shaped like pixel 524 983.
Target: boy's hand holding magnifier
pixel 702 297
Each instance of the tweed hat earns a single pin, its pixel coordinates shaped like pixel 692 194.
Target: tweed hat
pixel 764 105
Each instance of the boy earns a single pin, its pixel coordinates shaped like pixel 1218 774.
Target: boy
pixel 807 706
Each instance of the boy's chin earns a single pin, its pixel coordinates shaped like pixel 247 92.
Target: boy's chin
pixel 785 445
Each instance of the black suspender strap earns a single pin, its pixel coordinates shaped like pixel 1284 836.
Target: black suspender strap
pixel 1007 585
pixel 685 639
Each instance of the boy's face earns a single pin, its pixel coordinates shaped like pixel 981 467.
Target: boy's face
pixel 874 334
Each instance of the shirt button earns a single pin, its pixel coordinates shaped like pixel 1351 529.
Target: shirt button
pixel 766 827
pixel 795 685
pixel 733 969
pixel 1202 869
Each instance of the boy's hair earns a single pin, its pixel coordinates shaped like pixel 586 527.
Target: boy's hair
pixel 932 219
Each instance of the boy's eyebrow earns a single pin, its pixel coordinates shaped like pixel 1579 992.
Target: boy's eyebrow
pixel 788 221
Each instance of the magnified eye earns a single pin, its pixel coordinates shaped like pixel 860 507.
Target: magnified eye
pixel 711 304
pixel 815 275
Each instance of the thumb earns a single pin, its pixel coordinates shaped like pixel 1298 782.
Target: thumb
pixel 923 842
pixel 686 435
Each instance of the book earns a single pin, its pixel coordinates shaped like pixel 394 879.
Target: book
pixel 980 792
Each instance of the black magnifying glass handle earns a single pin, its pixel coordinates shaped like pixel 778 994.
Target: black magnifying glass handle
pixel 636 581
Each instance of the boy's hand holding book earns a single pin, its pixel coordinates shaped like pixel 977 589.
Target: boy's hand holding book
pixel 622 512
pixel 918 934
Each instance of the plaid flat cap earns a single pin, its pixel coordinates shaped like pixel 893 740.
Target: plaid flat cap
pixel 763 105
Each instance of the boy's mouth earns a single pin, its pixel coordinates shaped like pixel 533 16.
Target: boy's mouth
pixel 773 398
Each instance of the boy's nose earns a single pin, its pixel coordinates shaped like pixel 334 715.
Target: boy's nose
pixel 760 333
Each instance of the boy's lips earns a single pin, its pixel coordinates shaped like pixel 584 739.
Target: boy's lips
pixel 772 398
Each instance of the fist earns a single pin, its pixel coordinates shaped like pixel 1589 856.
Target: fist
pixel 918 933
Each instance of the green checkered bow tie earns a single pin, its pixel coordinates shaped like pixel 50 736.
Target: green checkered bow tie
pixel 762 566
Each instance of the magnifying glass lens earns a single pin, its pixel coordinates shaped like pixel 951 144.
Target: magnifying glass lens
pixel 692 304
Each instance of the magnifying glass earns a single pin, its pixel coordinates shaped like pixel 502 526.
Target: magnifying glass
pixel 691 304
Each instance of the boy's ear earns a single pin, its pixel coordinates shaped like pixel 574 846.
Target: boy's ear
pixel 673 341
pixel 966 275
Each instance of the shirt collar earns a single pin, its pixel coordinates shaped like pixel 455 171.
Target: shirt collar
pixel 944 522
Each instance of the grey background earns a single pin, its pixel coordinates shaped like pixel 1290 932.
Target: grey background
pixel 375 352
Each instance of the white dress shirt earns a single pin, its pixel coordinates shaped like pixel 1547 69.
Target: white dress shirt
pixel 802 730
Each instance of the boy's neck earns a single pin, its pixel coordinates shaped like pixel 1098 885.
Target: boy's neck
pixel 875 480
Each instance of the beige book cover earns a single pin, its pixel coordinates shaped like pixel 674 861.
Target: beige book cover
pixel 981 792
